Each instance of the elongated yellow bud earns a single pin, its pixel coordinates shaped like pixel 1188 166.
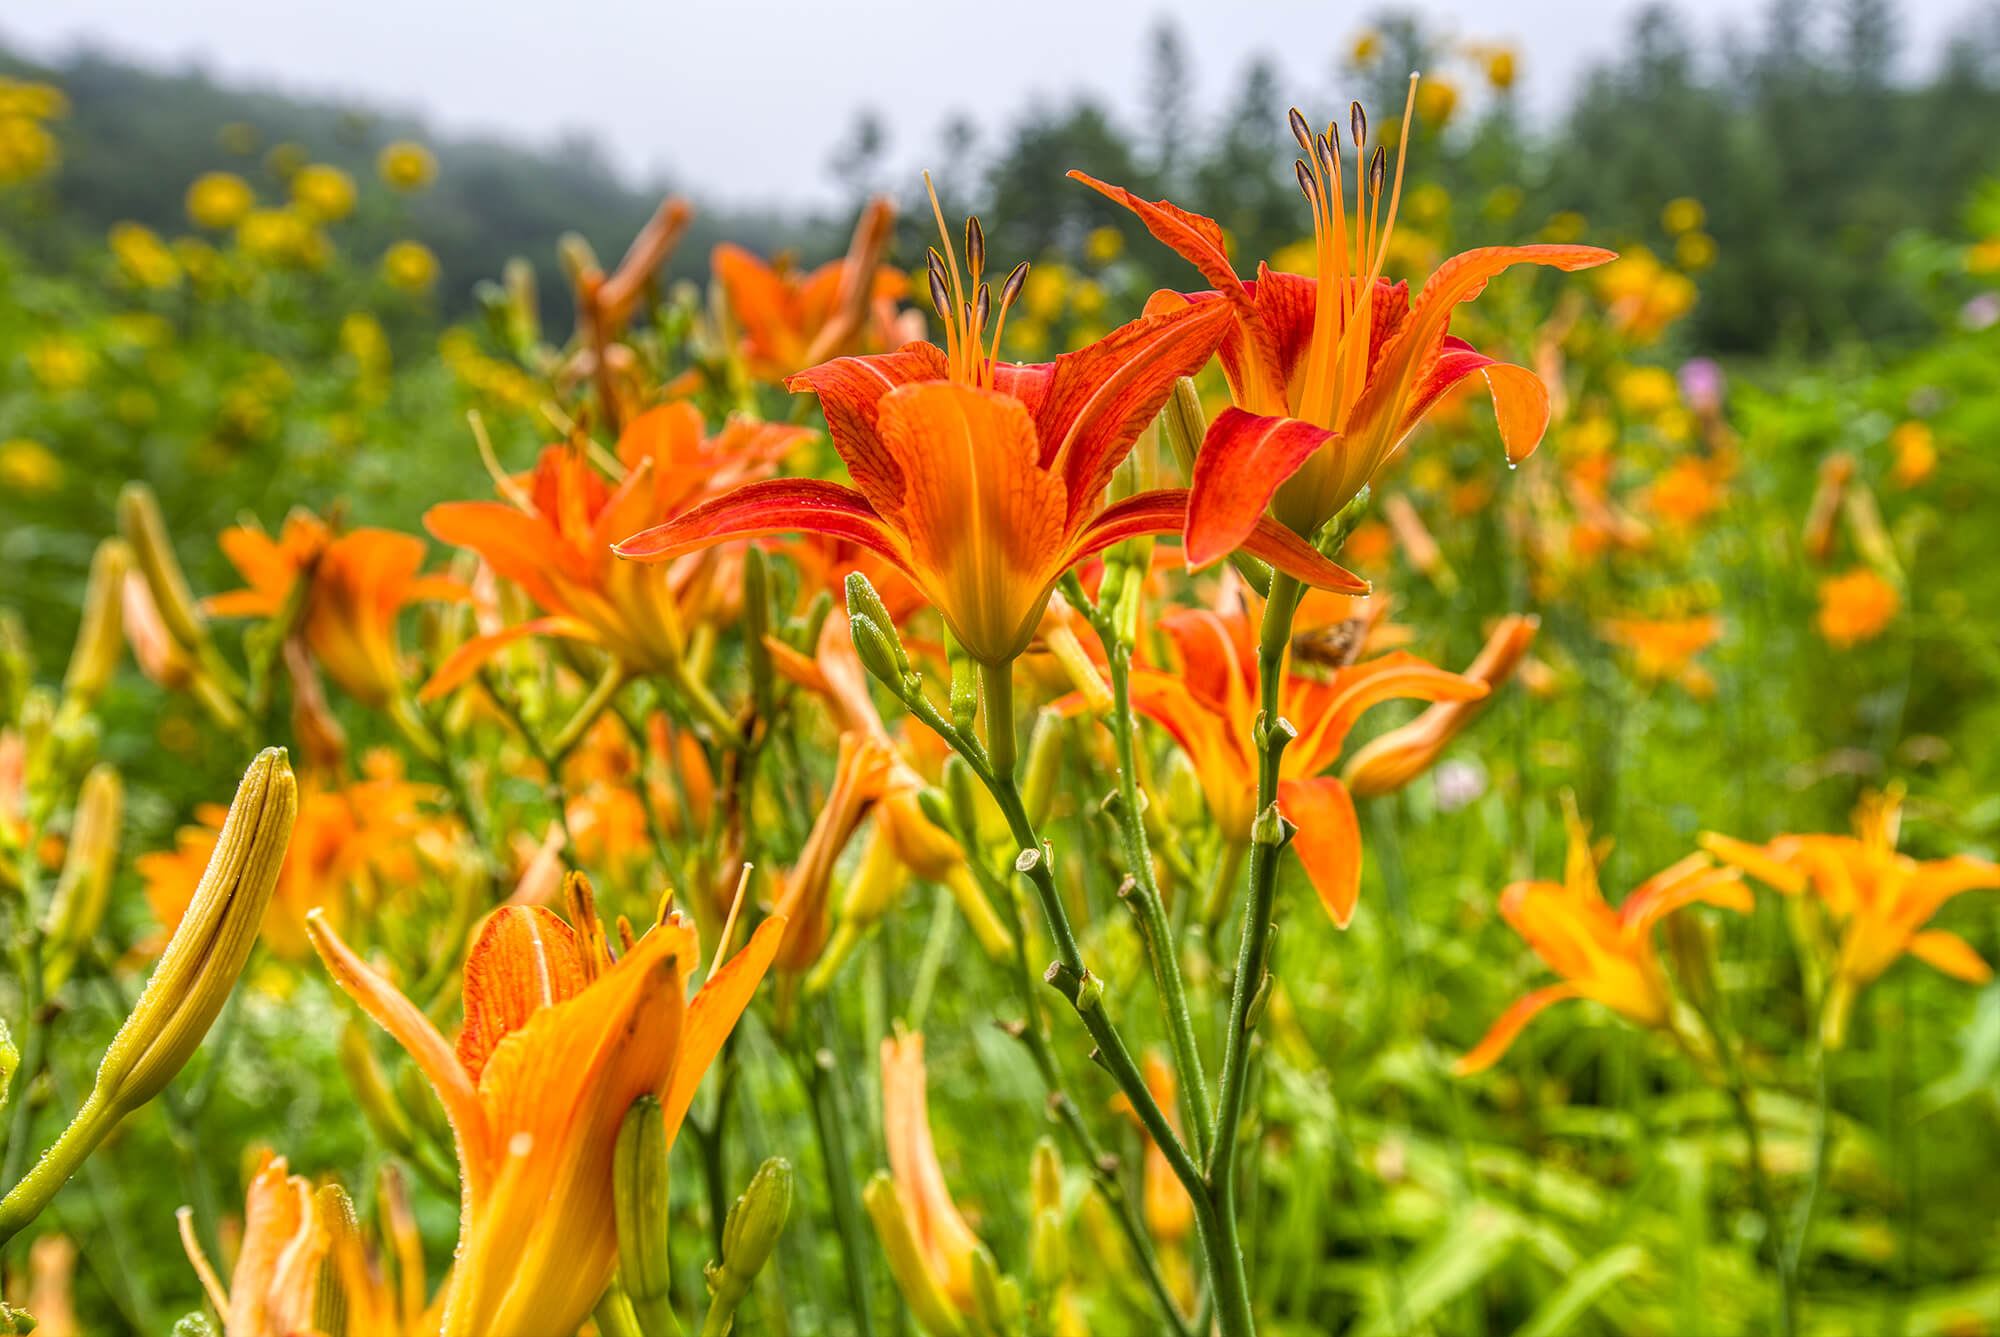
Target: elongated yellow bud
pixel 99 638
pixel 83 890
pixel 639 1201
pixel 188 987
pixel 927 1300
pixel 144 528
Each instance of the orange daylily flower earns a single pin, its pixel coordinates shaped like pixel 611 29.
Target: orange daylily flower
pixel 1855 606
pixel 296 1240
pixel 1391 761
pixel 946 1243
pixel 1878 899
pixel 1663 649
pixel 344 841
pixel 559 1040
pixel 1602 954
pixel 553 536
pixel 1329 373
pixel 983 481
pixel 357 583
pixel 1688 491
pixel 1210 707
pixel 860 774
pixel 792 321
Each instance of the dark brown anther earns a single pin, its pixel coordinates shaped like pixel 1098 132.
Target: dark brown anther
pixel 1300 131
pixel 1011 289
pixel 1357 122
pixel 940 296
pixel 975 248
pixel 1305 177
pixel 982 307
pixel 1378 170
pixel 1329 157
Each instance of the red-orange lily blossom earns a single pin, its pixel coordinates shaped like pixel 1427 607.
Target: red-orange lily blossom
pixel 1878 899
pixel 1329 373
pixel 1210 707
pixel 553 535
pixel 356 584
pixel 559 1040
pixel 985 481
pixel 791 321
pixel 1601 953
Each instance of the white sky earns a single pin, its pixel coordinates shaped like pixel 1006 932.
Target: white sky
pixel 746 101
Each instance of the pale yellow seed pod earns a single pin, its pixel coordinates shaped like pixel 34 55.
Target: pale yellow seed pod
pixel 100 637
pixel 211 943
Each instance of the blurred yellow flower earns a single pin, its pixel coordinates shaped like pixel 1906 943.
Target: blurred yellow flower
pixel 1502 203
pixel 60 362
pixel 1643 295
pixel 1043 295
pixel 409 266
pixel 323 193
pixel 142 257
pixel 203 263
pixel 1087 298
pixel 1428 204
pixel 1366 48
pixel 1683 215
pixel 1916 453
pixel 219 200
pixel 32 101
pixel 280 236
pixel 1567 226
pixel 362 338
pixel 1855 606
pixel 1436 100
pixel 1103 245
pixel 406 165
pixel 1984 257
pixel 1694 252
pixel 28 467
pixel 1644 392
pixel 1500 67
pixel 26 150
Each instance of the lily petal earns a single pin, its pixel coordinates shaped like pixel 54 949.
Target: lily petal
pixel 1512 1022
pixel 1243 460
pixel 849 389
pixel 1165 512
pixel 771 506
pixel 1951 954
pixel 1328 841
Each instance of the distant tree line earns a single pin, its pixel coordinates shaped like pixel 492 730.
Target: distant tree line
pixel 1810 156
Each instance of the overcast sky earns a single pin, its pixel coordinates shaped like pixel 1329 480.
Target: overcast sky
pixel 746 101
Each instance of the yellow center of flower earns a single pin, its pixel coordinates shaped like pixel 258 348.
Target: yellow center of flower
pixel 1349 255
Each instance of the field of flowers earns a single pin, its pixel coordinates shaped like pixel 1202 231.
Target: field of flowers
pixel 1375 788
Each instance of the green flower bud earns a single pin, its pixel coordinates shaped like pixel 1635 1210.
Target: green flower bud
pixel 140 521
pixel 1044 769
pixel 877 651
pixel 639 1199
pixel 1183 424
pixel 752 1230
pixel 100 636
pixel 996 1298
pixel 864 602
pixel 76 908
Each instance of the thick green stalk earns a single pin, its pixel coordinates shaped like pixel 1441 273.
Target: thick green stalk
pixel 1254 953
pixel 1152 910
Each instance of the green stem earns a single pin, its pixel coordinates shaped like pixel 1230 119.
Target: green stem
pixel 602 694
pixel 1253 955
pixel 996 688
pixel 1151 908
pixel 831 1131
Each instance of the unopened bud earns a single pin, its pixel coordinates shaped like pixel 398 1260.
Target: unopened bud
pixel 1183 424
pixel 908 1264
pixel 577 258
pixel 1048 1236
pixel 639 1200
pixel 99 638
pixel 996 1297
pixel 139 520
pixel 752 1230
pixel 965 692
pixel 1044 770
pixel 193 979
pixel 369 1087
pixel 334 1211
pixel 864 602
pixel 193 1325
pixel 959 783
pixel 877 653
pixel 84 888
pixel 523 299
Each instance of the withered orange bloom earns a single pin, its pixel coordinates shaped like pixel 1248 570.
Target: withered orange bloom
pixel 559 1040
pixel 984 481
pixel 1210 707
pixel 1602 954
pixel 553 536
pixel 1879 900
pixel 790 321
pixel 1391 761
pixel 945 1241
pixel 357 582
pixel 1331 372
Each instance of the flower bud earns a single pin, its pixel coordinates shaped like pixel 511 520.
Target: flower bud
pixel 334 1212
pixel 876 649
pixel 188 987
pixel 1044 770
pixel 99 637
pixel 756 625
pixel 1183 424
pixel 959 785
pixel 368 1086
pixel 864 602
pixel 77 906
pixel 145 530
pixel 639 1199
pixel 996 1297
pixel 751 1232
pixel 1048 1243
pixel 920 1289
